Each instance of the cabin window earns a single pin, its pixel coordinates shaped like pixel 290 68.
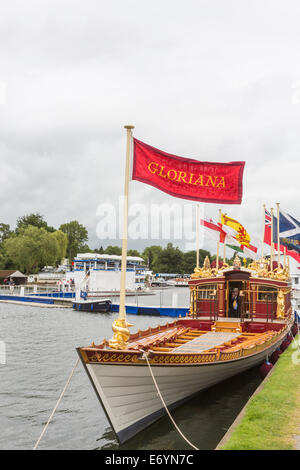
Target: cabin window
pixel 266 293
pixel 206 292
pixel 296 280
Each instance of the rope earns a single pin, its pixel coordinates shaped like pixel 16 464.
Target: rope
pixel 165 406
pixel 56 406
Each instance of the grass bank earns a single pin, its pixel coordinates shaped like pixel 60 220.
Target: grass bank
pixel 272 417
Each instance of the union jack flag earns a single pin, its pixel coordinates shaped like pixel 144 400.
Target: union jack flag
pixel 289 234
pixel 268 225
pixel 268 218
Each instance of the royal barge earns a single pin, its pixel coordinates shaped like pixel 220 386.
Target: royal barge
pixel 238 317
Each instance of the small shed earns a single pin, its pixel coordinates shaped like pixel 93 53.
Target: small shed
pixel 16 276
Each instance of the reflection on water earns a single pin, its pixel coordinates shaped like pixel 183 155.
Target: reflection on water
pixel 40 345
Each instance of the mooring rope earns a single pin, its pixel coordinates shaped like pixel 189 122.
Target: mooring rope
pixel 165 406
pixel 56 406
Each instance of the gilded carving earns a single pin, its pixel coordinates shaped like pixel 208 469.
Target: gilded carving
pixel 280 304
pixel 121 334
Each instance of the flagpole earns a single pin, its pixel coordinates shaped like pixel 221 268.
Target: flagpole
pixel 197 233
pixel 120 326
pixel 264 228
pixel 278 235
pixel 284 259
pixel 218 246
pixel 272 243
pixel 122 312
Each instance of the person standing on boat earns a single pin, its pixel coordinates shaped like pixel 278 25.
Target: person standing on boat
pixel 234 304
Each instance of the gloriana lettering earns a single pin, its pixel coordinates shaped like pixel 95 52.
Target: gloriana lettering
pixel 217 182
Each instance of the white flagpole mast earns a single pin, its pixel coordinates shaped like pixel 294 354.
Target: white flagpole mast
pixel 278 235
pixel 218 246
pixel 197 233
pixel 120 325
pixel 263 234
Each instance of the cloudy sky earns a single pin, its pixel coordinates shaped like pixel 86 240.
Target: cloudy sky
pixel 211 80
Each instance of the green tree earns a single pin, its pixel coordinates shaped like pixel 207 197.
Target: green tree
pixel 32 248
pixel 169 261
pixel 4 232
pixel 133 253
pixel 86 249
pixel 36 220
pixel 189 260
pixel 77 236
pixel 113 250
pixel 151 255
pixel 62 244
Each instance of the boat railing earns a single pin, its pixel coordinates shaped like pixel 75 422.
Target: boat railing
pixel 204 302
pixel 36 290
pixel 249 305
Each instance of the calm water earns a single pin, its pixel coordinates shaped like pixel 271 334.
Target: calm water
pixel 40 353
pixel 168 297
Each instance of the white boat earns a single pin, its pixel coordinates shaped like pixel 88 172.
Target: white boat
pixel 193 353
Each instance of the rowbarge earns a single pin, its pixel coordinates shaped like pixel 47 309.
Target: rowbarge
pixel 238 317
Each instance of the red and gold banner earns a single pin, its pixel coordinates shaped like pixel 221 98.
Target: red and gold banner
pixel 187 178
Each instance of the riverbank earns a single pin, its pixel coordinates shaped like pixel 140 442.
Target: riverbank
pixel 271 418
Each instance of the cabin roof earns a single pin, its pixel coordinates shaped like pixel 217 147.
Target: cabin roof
pixel 10 273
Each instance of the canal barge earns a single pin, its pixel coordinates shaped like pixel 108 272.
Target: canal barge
pixel 238 317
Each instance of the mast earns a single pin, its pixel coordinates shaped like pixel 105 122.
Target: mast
pixel 197 233
pixel 218 245
pixel 278 235
pixel 272 243
pixel 263 233
pixel 120 326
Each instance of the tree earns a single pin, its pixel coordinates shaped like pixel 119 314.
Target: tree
pixel 151 254
pixel 100 250
pixel 169 261
pixel 4 232
pixel 77 236
pixel 86 249
pixel 113 250
pixel 133 253
pixel 32 248
pixel 36 220
pixel 62 244
pixel 189 260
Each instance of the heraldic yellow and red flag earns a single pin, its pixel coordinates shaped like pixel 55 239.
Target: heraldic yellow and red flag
pixel 242 235
pixel 186 178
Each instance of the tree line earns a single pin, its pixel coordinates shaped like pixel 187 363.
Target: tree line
pixel 34 244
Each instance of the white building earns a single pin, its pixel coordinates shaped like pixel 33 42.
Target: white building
pixel 104 272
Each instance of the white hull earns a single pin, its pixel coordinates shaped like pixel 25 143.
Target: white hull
pixel 129 398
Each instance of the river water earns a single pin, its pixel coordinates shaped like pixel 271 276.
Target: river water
pixel 40 347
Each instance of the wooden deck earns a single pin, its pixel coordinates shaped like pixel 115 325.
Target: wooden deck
pixel 206 341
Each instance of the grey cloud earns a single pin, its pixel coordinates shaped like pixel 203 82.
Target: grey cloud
pixel 211 80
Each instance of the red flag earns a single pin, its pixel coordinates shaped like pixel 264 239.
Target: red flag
pixel 186 178
pixel 216 227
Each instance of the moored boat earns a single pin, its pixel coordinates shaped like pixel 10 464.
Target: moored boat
pixel 219 339
pixel 94 305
